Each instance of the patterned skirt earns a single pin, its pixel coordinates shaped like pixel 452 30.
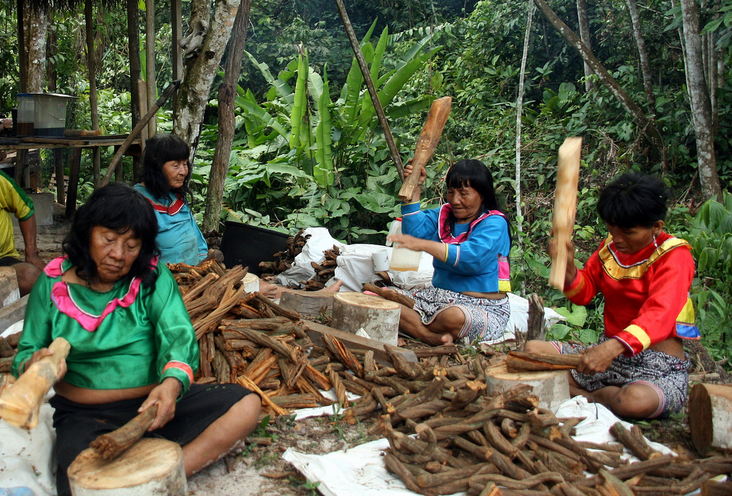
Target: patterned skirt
pixel 485 319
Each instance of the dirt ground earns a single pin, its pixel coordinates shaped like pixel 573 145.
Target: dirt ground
pixel 260 470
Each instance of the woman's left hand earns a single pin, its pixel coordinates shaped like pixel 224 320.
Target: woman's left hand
pixel 406 241
pixel 164 395
pixel 598 358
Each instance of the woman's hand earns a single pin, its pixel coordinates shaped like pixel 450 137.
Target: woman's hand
pixel 598 358
pixel 407 241
pixel 408 169
pixel 571 270
pixel 164 395
pixel 42 353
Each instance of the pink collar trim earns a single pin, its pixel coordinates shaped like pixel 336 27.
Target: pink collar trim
pixel 444 227
pixel 63 300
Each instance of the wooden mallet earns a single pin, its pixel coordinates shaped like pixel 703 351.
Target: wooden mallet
pixel 565 206
pixel 20 403
pixel 426 144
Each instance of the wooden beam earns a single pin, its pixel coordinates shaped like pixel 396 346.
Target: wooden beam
pixel 315 332
pixel 176 22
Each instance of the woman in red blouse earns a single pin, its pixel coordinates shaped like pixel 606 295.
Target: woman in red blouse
pixel 638 368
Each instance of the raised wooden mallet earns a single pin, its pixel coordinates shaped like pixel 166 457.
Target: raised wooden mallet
pixel 565 206
pixel 426 143
pixel 20 403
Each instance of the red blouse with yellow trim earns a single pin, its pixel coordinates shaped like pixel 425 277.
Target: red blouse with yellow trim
pixel 646 293
pixel 127 337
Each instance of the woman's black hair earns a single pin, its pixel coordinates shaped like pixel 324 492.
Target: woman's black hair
pixel 473 173
pixel 633 200
pixel 121 208
pixel 160 149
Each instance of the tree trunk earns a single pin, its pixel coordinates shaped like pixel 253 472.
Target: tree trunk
pixel 51 50
pixel 200 70
pixel 37 24
pixel 645 65
pixel 584 29
pixel 699 95
pixel 646 126
pixel 227 124
pixel 133 34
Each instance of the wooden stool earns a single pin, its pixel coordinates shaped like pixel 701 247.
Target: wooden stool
pixel 150 466
pixel 552 387
pixel 378 317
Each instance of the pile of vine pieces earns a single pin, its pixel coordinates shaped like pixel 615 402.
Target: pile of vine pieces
pixel 446 434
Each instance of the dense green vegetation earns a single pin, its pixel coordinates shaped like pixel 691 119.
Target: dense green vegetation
pixel 309 150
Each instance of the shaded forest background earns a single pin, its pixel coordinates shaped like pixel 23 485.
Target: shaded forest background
pixel 308 150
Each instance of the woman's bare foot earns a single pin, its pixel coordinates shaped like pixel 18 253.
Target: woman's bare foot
pixel 333 288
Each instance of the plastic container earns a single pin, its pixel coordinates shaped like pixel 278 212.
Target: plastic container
pixel 247 245
pixel 50 113
pixel 26 115
pixel 402 259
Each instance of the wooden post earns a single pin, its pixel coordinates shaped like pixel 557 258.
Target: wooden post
pixel 150 67
pixel 565 206
pixel 74 166
pixel 536 329
pixel 58 162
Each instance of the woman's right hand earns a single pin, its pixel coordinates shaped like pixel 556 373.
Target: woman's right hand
pixel 409 169
pixel 42 353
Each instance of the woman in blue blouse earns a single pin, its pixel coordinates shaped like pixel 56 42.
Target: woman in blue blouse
pixel 469 239
pixel 165 184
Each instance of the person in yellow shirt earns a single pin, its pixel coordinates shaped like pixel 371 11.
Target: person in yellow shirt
pixel 14 201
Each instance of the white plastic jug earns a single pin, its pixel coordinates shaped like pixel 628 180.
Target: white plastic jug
pixel 402 259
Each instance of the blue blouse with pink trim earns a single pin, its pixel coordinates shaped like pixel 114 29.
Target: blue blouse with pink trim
pixel 124 338
pixel 477 253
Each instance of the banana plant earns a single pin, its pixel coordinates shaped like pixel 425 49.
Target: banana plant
pixel 308 129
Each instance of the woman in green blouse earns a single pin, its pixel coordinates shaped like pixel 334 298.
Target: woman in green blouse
pixel 132 342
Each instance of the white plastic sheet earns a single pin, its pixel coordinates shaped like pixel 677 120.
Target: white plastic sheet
pixel 361 470
pixel 26 458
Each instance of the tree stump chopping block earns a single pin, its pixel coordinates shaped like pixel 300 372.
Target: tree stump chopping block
pixel 309 304
pixel 710 416
pixel 552 388
pixel 379 318
pixel 150 466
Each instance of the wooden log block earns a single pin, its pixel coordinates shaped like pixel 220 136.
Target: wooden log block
pixel 20 404
pixel 309 304
pixel 12 313
pixel 9 291
pixel 151 466
pixel 565 206
pixel 378 317
pixel 710 419
pixel 552 387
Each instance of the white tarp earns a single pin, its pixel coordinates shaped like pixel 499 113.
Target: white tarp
pixel 361 471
